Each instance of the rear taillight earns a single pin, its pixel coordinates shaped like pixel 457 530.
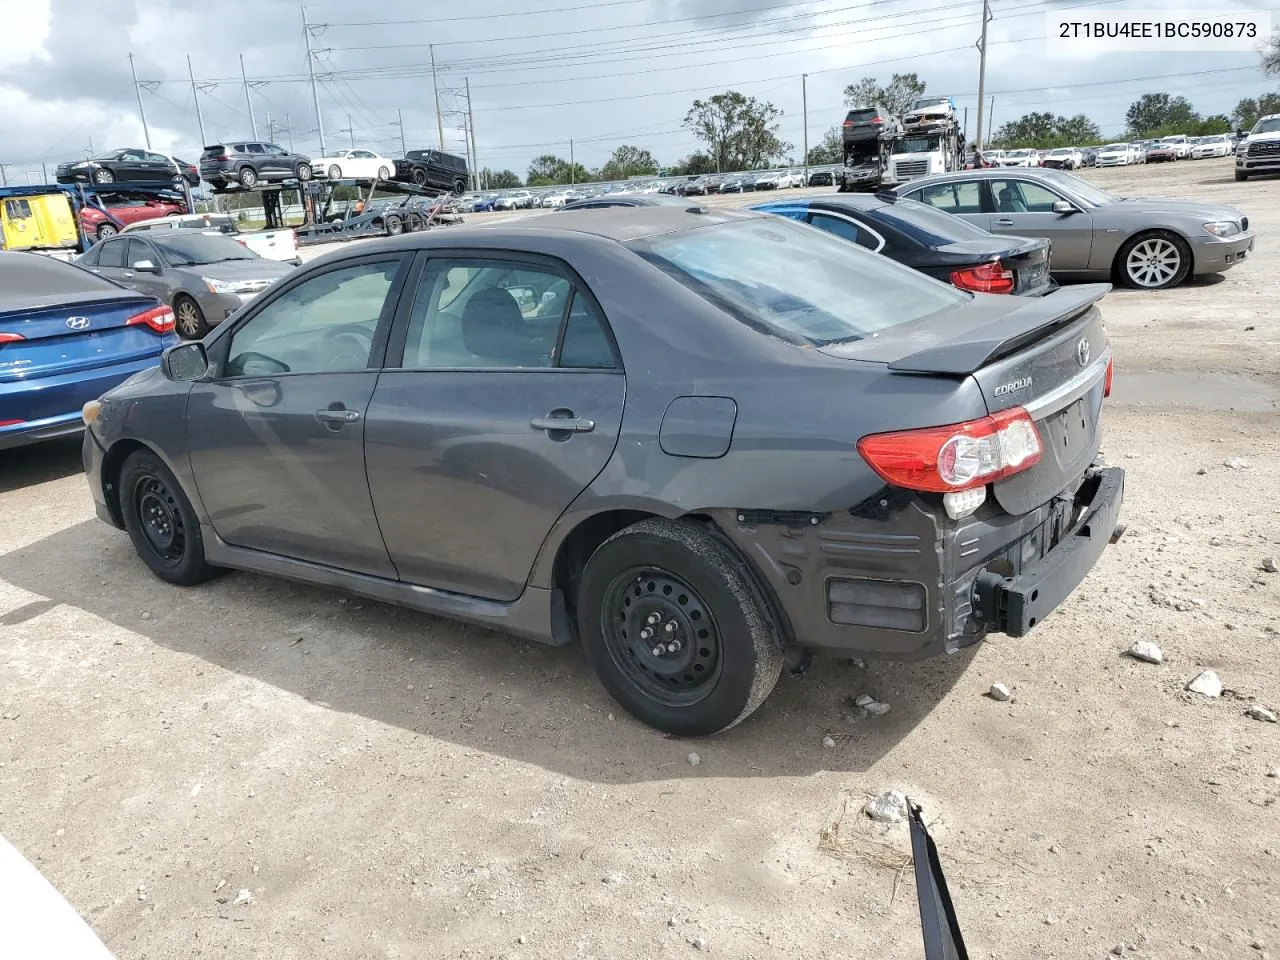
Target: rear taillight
pixel 960 456
pixel 876 120
pixel 11 337
pixel 158 319
pixel 984 278
pixel 848 123
pixel 1106 383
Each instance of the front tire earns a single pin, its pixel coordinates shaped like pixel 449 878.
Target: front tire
pixel 248 177
pixel 459 187
pixel 161 522
pixel 189 318
pixel 676 630
pixel 1156 260
pixel 335 172
pixel 103 176
pixel 393 225
pixel 1241 175
pixel 303 171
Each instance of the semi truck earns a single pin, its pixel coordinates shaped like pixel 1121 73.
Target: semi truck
pixel 886 154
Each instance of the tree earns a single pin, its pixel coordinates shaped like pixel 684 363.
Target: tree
pixel 1077 130
pixel 693 165
pixel 1271 55
pixel 1045 131
pixel 500 179
pixel 830 150
pixel 741 133
pixel 628 161
pixel 897 97
pixel 1248 110
pixel 549 169
pixel 1153 111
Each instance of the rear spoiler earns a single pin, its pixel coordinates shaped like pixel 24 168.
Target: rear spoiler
pixel 972 350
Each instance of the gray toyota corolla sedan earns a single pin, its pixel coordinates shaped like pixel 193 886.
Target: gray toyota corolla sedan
pixel 1145 242
pixel 703 444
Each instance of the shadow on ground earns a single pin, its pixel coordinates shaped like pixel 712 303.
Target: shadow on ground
pixel 39 463
pixel 479 689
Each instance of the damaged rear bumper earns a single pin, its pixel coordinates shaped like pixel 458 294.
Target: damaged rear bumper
pixel 895 578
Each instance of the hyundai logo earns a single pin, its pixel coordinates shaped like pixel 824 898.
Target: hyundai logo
pixel 1082 351
pixel 78 323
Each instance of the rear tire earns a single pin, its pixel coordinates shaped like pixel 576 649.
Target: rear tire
pixel 419 177
pixel 459 187
pixel 1241 175
pixel 393 224
pixel 107 230
pixel 413 223
pixel 248 177
pixel 161 522
pixel 189 318
pixel 728 656
pixel 1155 260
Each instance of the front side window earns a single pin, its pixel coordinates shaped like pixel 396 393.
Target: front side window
pixel 1022 196
pixel 253 148
pixel 492 314
pixel 138 252
pixel 324 324
pixel 793 282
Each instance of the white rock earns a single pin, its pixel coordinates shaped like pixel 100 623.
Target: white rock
pixel 698 943
pixel 858 662
pixel 1269 564
pixel 613 879
pixel 1236 463
pixel 146 615
pixel 877 709
pixel 1259 712
pixel 829 743
pixel 1146 651
pixel 243 898
pixel 1000 692
pixel 694 759
pixel 1206 684
pixel 865 700
pixel 887 807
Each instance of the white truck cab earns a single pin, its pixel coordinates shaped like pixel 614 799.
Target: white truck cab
pixel 1259 151
pixel 918 155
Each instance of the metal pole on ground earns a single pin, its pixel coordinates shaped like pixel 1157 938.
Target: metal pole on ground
pixel 196 97
pixel 982 69
pixel 311 69
pixel 571 182
pixel 142 112
pixel 435 90
pixel 804 107
pixel 253 123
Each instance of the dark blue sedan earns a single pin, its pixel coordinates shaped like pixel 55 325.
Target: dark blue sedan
pixel 67 337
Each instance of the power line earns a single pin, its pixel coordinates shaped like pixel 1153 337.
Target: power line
pixel 514 13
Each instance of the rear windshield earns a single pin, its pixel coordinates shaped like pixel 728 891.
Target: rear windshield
pixel 26 278
pixel 794 282
pixel 216 150
pixel 862 115
pixel 183 249
pixel 925 224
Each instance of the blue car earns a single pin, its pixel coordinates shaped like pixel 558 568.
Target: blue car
pixel 67 337
pixel 484 204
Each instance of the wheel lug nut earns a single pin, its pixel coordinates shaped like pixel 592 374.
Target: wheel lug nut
pixel 653 618
pixel 646 634
pixel 674 646
pixel 670 627
pixel 659 650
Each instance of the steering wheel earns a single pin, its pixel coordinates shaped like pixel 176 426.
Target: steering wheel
pixel 347 349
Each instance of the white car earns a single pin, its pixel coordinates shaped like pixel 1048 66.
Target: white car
pixel 1181 145
pixel 1115 155
pixel 1020 158
pixel 516 200
pixel 354 165
pixel 1259 152
pixel 1065 158
pixel 1218 146
pixel 281 245
pixel 1137 153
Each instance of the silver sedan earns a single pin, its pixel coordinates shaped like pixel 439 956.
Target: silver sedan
pixel 1149 243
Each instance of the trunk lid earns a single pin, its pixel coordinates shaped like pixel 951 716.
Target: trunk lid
pixel 1045 354
pixel 79 333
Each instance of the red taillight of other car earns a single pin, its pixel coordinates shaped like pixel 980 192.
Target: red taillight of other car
pixel 157 319
pixel 959 456
pixel 1106 383
pixel 984 278
pixel 10 337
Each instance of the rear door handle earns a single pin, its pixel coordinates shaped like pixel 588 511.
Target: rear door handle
pixel 1004 222
pixel 563 424
pixel 339 416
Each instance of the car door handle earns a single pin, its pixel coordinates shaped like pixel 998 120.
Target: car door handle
pixel 563 424
pixel 339 416
pixel 1003 222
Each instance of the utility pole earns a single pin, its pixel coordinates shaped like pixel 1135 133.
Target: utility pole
pixel 137 88
pixel 435 90
pixel 982 70
pixel 471 125
pixel 966 123
pixel 991 116
pixel 4 181
pixel 288 127
pixel 804 107
pixel 44 172
pixel 271 129
pixel 571 179
pixel 195 95
pixel 400 117
pixel 311 69
pixel 351 130
pixel 253 123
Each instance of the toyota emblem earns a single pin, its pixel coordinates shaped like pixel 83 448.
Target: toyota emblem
pixel 1082 351
pixel 78 323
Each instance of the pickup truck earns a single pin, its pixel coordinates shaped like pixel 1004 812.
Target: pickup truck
pixel 279 245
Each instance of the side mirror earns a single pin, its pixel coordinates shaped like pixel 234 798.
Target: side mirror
pixel 1062 206
pixel 145 266
pixel 185 362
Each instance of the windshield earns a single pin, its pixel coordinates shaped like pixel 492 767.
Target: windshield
pixel 929 102
pixel 794 282
pixel 1115 146
pixel 1018 153
pixel 1060 152
pixel 1269 125
pixel 186 250
pixel 925 224
pixel 917 145
pixel 1083 189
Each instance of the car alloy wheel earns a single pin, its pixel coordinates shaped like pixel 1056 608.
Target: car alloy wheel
pixel 420 176
pixel 107 230
pixel 1153 263
pixel 189 319
pixel 335 172
pixel 103 176
pixel 661 634
pixel 304 172
pixel 384 173
pixel 248 177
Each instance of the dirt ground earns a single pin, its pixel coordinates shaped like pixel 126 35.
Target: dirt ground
pixel 390 785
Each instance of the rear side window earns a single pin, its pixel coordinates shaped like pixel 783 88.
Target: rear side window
pixel 794 282
pixel 254 148
pixel 845 229
pixel 965 197
pixel 112 253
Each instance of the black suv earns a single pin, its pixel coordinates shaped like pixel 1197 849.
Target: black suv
pixel 433 168
pixel 248 162
pixel 869 123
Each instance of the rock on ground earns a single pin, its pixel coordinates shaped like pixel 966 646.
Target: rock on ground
pixel 889 806
pixel 1000 692
pixel 1147 652
pixel 1207 684
pixel 1259 712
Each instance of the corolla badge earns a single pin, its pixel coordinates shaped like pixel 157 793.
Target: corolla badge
pixel 1082 351
pixel 78 323
pixel 1012 387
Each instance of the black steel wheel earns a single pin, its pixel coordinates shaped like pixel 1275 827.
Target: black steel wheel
pixel 160 520
pixel 676 628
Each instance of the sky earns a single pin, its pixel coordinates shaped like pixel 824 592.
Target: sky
pixel 598 72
